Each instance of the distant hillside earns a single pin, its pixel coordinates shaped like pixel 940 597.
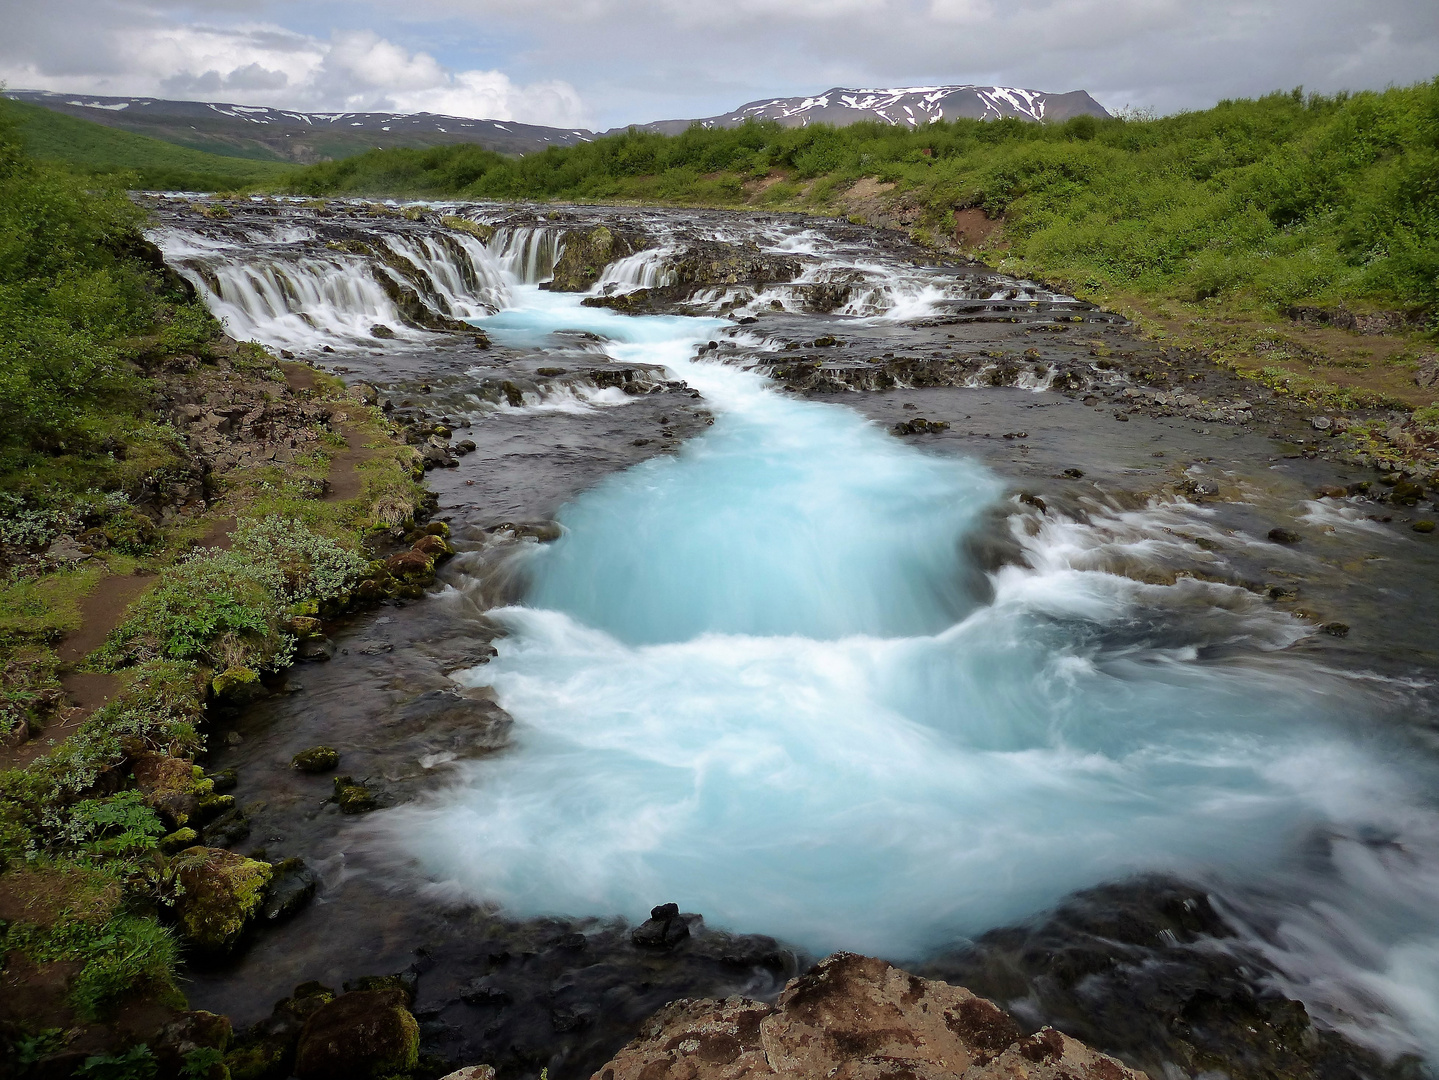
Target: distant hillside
pixel 912 105
pixel 260 133
pixel 159 165
pixel 257 132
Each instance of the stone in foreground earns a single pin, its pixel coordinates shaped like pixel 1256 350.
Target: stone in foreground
pixel 854 1018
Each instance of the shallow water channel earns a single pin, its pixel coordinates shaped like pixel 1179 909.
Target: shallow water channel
pixel 840 688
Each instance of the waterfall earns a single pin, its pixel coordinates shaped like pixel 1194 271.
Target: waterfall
pixel 459 269
pixel 642 270
pixel 301 303
pixel 289 289
pixel 528 252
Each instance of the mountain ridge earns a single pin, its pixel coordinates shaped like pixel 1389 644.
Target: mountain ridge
pixel 275 134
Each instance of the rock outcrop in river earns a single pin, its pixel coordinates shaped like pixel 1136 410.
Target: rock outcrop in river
pixel 853 1017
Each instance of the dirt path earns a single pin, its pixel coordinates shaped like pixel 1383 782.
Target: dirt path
pixel 106 606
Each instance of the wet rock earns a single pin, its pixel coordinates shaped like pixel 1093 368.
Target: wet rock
pixel 1284 536
pixel 407 982
pixel 267 1050
pixel 380 330
pixel 188 1033
pixel 172 787
pixel 1336 629
pixel 229 829
pixel 319 649
pixel 450 724
pixel 317 759
pixel 1332 493
pixel 1424 526
pixel 224 780
pixel 856 1017
pixel 367 1033
pixel 413 570
pixel 482 992
pixel 291 888
pixel 1406 493
pixel 306 626
pixel 472 1072
pixel 436 547
pixel 223 891
pixel 919 426
pixel 179 840
pixel 588 251
pixel 237 685
pixel 352 798
pixel 664 929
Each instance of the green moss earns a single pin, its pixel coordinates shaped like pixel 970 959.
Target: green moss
pixel 222 892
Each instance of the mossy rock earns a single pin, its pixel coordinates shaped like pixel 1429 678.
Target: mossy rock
pixel 586 254
pixel 306 626
pixel 352 798
pixel 172 787
pixel 364 1034
pixel 436 547
pixel 179 840
pixel 222 893
pixel 236 685
pixel 413 568
pixel 317 759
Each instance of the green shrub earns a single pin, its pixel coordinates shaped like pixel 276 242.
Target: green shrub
pixel 1280 199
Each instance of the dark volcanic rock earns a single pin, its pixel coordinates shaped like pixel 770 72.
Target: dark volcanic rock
pixel 368 1033
pixel 1149 971
pixel 664 928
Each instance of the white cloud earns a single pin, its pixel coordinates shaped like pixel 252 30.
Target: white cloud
pixel 266 64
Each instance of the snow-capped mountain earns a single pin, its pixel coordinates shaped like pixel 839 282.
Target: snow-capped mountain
pixel 244 130
pixel 912 105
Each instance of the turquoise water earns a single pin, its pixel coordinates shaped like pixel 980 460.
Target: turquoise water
pixel 756 678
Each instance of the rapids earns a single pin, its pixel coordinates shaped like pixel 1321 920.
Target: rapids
pixel 770 677
pixel 763 678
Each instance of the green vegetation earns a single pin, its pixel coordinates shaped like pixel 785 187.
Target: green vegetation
pixel 103 879
pixel 1275 201
pixel 133 160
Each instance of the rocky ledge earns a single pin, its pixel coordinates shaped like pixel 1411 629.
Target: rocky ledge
pixel 854 1017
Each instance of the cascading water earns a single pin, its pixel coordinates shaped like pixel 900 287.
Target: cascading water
pixel 528 253
pixel 762 678
pixel 286 289
pixel 459 269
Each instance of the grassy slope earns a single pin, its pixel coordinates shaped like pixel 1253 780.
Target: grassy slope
pixel 90 336
pixel 1205 226
pixel 157 165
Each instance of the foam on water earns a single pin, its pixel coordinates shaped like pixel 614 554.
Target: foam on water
pixel 761 678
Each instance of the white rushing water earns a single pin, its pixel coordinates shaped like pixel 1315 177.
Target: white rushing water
pixel 756 678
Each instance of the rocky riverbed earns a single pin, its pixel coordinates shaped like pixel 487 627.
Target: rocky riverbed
pixel 1228 502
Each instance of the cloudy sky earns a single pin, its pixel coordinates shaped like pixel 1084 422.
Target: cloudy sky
pixel 600 63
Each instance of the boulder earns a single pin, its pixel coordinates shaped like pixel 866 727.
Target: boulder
pixel 223 891
pixel 436 547
pixel 367 1033
pixel 291 888
pixel 172 787
pixel 472 1072
pixel 588 251
pixel 856 1018
pixel 236 685
pixel 1284 536
pixel 352 798
pixel 664 929
pixel 317 759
